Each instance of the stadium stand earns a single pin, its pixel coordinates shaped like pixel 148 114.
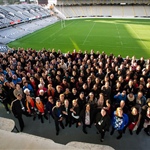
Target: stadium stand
pixel 19 20
pixel 104 8
pixel 101 2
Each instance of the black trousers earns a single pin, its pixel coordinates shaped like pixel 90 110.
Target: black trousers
pixel 57 125
pixel 21 122
pixel 119 131
pixel 140 128
pixel 6 106
pixel 67 119
pixel 84 126
pixel 102 134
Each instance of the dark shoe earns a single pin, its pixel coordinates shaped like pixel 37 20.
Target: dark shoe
pixel 124 131
pixel 69 125
pixel 57 133
pixel 102 140
pixel 34 118
pixel 21 129
pixel 89 126
pixel 137 132
pixel 76 125
pixel 112 132
pixel 119 137
pixel 66 124
pixel 46 117
pixel 148 133
pixel 84 131
pixel 131 132
pixel 97 132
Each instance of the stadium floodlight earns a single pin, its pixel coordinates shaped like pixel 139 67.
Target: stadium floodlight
pixel 122 3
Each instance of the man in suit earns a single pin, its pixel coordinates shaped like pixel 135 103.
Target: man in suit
pixel 18 108
pixel 57 114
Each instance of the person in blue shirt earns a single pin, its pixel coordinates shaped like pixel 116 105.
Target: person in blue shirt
pixel 119 122
pixel 16 80
pixel 28 86
pixel 120 96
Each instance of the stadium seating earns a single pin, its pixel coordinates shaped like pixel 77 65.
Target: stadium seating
pixel 15 14
pixel 129 11
pixel 101 2
pixel 12 33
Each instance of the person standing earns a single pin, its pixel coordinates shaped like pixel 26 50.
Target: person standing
pixel 66 112
pixel 144 121
pixel 57 114
pixel 40 109
pixel 4 100
pixel 119 122
pixel 102 122
pixel 18 109
pixel 86 117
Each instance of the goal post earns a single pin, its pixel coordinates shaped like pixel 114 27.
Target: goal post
pixel 63 24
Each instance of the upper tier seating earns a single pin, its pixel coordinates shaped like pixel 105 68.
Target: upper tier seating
pixel 14 14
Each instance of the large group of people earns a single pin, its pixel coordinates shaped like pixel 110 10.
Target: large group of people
pixel 77 88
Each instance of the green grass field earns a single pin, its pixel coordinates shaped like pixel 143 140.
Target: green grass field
pixel 117 36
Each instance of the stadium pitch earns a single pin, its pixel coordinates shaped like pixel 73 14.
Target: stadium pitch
pixel 118 36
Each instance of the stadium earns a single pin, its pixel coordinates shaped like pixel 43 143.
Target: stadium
pixel 56 41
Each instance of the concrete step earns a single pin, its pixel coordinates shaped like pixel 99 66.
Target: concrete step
pixel 89 146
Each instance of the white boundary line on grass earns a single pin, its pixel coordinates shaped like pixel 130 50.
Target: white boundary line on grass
pixel 88 33
pixel 118 34
pixel 138 36
pixel 54 33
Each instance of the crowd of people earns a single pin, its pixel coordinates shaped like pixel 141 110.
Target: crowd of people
pixel 77 88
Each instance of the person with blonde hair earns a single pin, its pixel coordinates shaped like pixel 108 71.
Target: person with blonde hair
pixel 75 112
pixel 119 122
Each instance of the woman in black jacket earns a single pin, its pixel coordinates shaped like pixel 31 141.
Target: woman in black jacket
pixel 86 117
pixel 102 122
pixel 75 112
pixel 144 121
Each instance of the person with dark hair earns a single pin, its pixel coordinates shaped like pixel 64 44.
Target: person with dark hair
pixel 49 106
pixel 130 102
pixel 86 118
pixel 106 90
pixel 102 122
pixel 4 100
pixel 144 121
pixel 18 109
pixel 134 119
pixel 58 116
pixel 81 100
